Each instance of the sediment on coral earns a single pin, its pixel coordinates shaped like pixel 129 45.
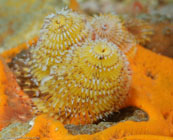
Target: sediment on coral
pixel 16 130
pixel 125 114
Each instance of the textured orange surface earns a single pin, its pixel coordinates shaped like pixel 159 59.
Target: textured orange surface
pixel 14 104
pixel 74 5
pixel 151 90
pixel 9 54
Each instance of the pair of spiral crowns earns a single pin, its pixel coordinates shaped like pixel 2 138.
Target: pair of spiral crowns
pixel 78 71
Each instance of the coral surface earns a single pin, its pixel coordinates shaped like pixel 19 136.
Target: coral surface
pixel 151 90
pixel 14 105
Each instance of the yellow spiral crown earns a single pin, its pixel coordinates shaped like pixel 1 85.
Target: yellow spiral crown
pixel 93 83
pixel 59 32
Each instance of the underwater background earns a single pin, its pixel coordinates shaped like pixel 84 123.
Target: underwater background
pixel 21 20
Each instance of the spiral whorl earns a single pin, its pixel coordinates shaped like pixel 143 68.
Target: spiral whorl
pixel 59 32
pixel 95 83
pixel 110 27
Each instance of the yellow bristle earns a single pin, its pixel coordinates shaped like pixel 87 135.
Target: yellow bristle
pixel 96 81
